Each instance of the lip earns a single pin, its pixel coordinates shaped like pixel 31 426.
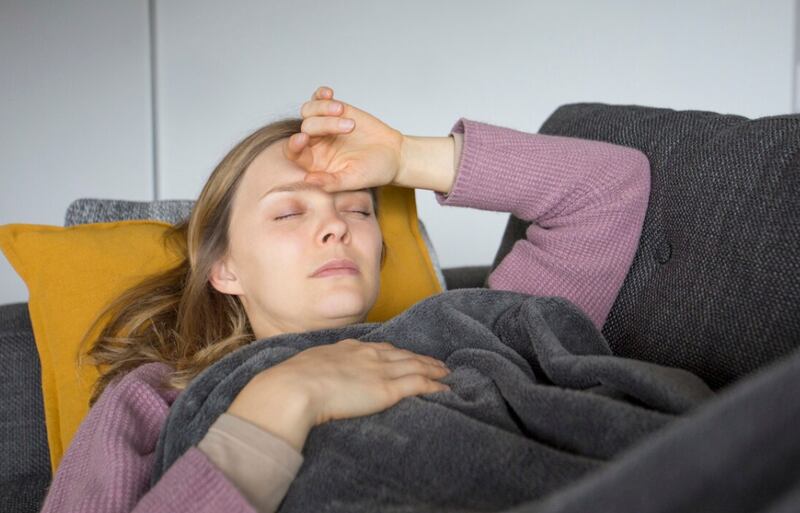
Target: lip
pixel 336 267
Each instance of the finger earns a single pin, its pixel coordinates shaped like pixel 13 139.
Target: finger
pixel 399 353
pixel 334 181
pixel 414 384
pixel 318 126
pixel 322 92
pixel 400 368
pixel 293 148
pixel 381 345
pixel 321 108
pixel 402 354
pixel 294 145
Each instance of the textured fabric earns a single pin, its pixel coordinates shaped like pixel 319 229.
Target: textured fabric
pixel 432 252
pixel 535 393
pixel 738 453
pixel 25 465
pixel 93 210
pixel 262 467
pixel 476 180
pixel 71 274
pixel 587 199
pixel 469 276
pixel 107 467
pixel 714 287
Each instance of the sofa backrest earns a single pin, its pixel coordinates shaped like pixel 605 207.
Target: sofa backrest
pixel 714 287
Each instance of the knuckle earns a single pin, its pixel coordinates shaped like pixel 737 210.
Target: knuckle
pixel 370 351
pixel 305 109
pixel 421 367
pixel 307 125
pixel 419 381
pixel 332 125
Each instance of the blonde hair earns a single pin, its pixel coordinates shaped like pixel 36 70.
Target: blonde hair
pixel 176 316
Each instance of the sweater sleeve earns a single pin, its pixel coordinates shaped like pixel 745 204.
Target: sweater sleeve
pixel 261 465
pixel 108 464
pixel 586 201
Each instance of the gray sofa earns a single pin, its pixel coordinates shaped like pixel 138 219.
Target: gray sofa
pixel 714 287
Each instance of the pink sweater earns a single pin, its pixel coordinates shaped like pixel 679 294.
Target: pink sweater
pixel 588 200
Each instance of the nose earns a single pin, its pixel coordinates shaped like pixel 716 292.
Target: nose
pixel 334 228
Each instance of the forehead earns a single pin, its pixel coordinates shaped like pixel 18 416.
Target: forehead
pixel 272 172
pixel 271 168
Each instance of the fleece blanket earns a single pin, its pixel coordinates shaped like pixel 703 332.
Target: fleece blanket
pixel 538 401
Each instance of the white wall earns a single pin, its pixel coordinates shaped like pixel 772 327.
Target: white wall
pixel 75 110
pixel 224 68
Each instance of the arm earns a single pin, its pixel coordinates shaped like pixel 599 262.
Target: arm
pixel 587 201
pixel 261 465
pixel 107 466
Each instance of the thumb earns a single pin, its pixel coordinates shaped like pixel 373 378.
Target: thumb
pixel 331 182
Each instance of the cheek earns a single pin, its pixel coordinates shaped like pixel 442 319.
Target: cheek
pixel 271 257
pixel 371 239
pixel 282 251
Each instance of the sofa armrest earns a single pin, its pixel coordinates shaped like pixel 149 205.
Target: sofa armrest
pixel 473 276
pixel 14 317
pixel 25 467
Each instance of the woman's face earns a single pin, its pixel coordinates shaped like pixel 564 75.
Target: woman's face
pixel 272 258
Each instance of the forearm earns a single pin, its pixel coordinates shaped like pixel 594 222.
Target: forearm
pixel 586 201
pixel 279 408
pixel 427 163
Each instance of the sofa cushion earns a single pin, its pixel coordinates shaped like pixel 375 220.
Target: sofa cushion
pixel 71 273
pixel 25 465
pixel 714 287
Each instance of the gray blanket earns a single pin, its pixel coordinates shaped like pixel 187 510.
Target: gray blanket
pixel 538 401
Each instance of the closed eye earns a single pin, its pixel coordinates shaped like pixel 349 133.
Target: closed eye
pixel 363 213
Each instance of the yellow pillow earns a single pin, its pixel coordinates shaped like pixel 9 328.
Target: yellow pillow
pixel 73 272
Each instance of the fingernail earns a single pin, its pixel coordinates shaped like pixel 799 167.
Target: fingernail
pixel 346 124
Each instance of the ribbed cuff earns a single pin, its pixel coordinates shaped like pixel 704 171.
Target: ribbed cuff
pixel 261 465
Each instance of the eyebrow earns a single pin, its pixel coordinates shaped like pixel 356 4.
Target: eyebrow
pixel 301 186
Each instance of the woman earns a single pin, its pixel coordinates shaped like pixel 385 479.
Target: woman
pixel 294 196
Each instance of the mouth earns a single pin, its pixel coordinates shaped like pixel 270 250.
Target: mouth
pixel 339 267
pixel 335 272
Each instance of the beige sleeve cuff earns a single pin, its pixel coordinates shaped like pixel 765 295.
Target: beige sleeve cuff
pixel 261 465
pixel 459 140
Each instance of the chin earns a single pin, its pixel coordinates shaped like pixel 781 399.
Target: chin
pixel 343 306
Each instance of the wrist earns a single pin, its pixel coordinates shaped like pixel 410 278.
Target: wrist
pixel 427 163
pixel 282 411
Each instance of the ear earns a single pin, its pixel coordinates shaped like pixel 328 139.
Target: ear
pixel 223 278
